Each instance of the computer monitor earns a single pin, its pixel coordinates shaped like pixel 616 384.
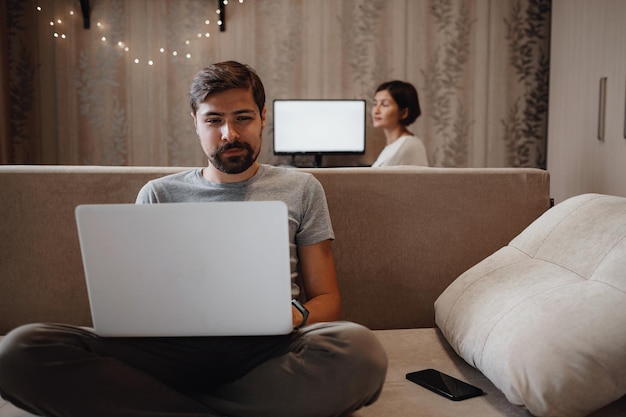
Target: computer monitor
pixel 319 127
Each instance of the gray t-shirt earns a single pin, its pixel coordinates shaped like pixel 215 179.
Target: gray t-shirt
pixel 309 219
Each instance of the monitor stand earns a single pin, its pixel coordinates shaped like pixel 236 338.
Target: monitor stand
pixel 318 161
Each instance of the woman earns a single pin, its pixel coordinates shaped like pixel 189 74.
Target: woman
pixel 396 106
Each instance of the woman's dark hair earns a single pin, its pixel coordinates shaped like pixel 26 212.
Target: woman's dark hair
pixel 225 76
pixel 405 95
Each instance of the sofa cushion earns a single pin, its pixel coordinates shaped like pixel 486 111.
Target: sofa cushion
pixel 414 349
pixel 544 318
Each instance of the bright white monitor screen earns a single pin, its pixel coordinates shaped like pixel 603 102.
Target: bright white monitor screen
pixel 319 126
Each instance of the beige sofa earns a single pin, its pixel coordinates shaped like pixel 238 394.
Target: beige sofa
pixel 402 236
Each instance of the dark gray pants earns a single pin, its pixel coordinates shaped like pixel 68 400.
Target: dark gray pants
pixel 326 369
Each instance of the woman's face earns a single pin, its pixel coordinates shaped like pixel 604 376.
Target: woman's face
pixel 385 113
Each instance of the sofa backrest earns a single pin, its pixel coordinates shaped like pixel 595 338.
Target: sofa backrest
pixel 402 234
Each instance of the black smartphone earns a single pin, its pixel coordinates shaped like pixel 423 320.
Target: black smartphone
pixel 445 385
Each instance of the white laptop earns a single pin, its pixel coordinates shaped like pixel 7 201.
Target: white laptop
pixel 187 269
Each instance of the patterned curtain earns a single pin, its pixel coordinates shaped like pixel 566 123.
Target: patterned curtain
pixel 116 93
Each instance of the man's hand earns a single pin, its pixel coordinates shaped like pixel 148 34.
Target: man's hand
pixel 297 317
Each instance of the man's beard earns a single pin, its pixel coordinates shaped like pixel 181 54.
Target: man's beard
pixel 233 164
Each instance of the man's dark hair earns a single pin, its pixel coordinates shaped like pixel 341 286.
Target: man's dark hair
pixel 405 95
pixel 224 76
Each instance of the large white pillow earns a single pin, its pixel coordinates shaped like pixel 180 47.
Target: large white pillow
pixel 544 318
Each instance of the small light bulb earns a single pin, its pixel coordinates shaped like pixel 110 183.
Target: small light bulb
pixel 188 56
pixel 150 62
pixel 38 8
pixel 206 35
pixel 56 35
pixel 136 61
pixel 175 53
pixel 63 35
pixel 104 39
pixel 206 22
pixel 162 50
pixel 71 12
pixel 59 21
pixel 187 42
pixel 126 49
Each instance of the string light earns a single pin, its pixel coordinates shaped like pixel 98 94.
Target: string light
pixel 219 12
pixel 201 34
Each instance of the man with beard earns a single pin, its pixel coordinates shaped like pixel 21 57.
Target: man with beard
pixel 324 368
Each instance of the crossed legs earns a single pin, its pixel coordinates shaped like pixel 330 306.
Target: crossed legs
pixel 325 370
